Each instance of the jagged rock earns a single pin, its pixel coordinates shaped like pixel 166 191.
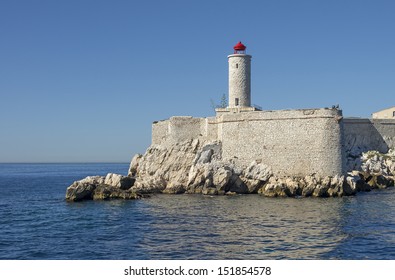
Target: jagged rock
pixel 376 163
pixel 83 189
pixel 174 189
pixel 134 165
pixel 236 185
pixel 98 187
pixel 221 178
pixel 335 191
pixel 209 152
pixel 231 193
pixel 308 190
pixel 194 167
pixel 197 167
pixel 308 186
pixel 335 187
pixel 355 184
pixel 205 156
pixel 95 180
pixel 197 176
pixel 253 185
pixel 310 180
pixel 277 191
pixel 161 166
pixel 320 191
pixel 209 191
pixel 275 188
pixel 80 191
pixel 104 191
pixel 383 182
pixel 119 181
pixel 255 176
pixel 258 171
pixel 293 187
pixel 379 181
pixel 391 167
pixel 151 185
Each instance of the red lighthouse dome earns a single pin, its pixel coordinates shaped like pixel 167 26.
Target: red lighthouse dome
pixel 239 47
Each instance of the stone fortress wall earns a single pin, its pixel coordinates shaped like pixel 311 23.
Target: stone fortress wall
pixel 293 142
pixel 182 128
pixel 361 135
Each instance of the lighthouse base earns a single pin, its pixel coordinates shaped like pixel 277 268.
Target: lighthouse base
pixel 227 110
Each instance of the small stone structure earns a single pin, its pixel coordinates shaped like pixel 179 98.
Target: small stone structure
pixel 388 113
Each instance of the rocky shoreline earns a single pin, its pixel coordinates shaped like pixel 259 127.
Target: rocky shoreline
pixel 197 167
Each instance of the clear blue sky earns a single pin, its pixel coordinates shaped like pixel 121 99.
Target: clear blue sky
pixel 82 81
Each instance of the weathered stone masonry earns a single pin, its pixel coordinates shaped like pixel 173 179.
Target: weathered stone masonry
pixel 369 134
pixel 292 142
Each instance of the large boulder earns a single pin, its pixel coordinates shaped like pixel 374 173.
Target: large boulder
pixel 104 191
pixel 258 171
pixel 161 166
pixel 80 191
pixel 255 176
pixel 99 187
pixel 221 178
pixel 119 181
pixel 174 189
pixel 275 188
pixel 376 163
pixel 204 178
pixel 236 185
pixel 134 165
pixel 95 180
pixel 308 186
pixel 191 166
pixel 83 189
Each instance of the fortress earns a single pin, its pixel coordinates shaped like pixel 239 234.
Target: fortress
pixel 244 149
pixel 297 142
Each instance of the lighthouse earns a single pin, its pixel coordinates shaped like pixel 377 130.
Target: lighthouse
pixel 239 78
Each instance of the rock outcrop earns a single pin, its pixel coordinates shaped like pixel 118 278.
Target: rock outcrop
pixel 99 188
pixel 377 169
pixel 197 167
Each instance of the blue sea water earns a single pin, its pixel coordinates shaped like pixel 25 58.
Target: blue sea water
pixel 37 223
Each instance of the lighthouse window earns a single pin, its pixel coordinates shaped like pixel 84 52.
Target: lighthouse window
pixel 236 100
pixel 393 113
pixel 237 65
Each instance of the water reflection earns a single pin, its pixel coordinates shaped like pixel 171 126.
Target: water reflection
pixel 242 227
pixel 368 223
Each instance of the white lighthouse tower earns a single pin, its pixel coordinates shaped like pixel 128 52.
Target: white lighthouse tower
pixel 239 98
pixel 239 77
